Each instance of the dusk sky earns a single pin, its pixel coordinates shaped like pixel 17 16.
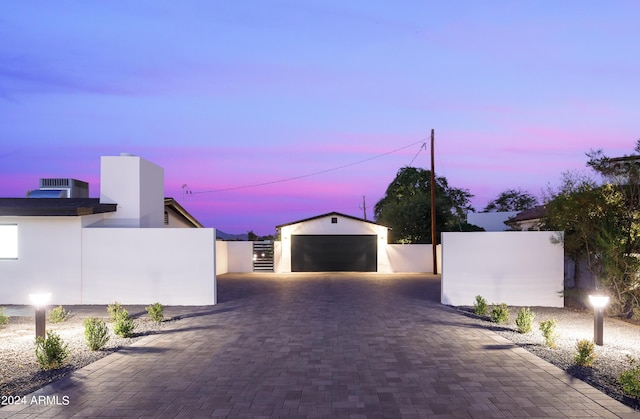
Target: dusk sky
pixel 229 94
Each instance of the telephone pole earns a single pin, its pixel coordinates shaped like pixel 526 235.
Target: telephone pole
pixel 433 206
pixel 364 207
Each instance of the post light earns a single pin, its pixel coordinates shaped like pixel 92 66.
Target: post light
pixel 40 301
pixel 598 302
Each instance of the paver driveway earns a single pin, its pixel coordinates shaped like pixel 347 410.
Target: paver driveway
pixel 331 345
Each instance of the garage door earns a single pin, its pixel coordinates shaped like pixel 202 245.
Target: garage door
pixel 331 253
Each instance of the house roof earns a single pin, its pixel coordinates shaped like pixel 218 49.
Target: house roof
pixel 534 213
pixel 53 206
pixel 329 214
pixel 172 204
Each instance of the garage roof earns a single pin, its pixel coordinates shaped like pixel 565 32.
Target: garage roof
pixel 329 214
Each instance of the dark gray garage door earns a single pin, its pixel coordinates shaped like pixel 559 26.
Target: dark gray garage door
pixel 324 253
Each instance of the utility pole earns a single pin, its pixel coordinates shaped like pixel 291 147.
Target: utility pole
pixel 433 206
pixel 364 207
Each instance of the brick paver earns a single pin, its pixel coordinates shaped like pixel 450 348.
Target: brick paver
pixel 323 345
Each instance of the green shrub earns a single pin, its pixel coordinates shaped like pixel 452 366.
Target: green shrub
pixel 585 353
pixel 4 319
pixel 114 310
pixel 58 314
pixel 156 312
pixel 630 379
pixel 51 351
pixel 524 321
pixel 96 333
pixel 548 329
pixel 500 313
pixel 124 324
pixel 480 306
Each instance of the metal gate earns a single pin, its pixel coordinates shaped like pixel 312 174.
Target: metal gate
pixel 263 256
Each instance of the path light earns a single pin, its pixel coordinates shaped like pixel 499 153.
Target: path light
pixel 40 301
pixel 598 302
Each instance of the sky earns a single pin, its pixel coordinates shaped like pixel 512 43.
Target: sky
pixel 319 102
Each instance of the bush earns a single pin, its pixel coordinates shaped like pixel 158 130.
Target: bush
pixel 480 306
pixel 4 319
pixel 51 351
pixel 156 312
pixel 500 313
pixel 630 379
pixel 124 324
pixel 585 354
pixel 548 329
pixel 524 321
pixel 96 333
pixel 58 315
pixel 114 310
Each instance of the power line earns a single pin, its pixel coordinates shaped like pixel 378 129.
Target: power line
pixel 312 174
pixel 422 147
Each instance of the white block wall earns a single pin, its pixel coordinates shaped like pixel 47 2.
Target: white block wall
pixel 240 256
pixel 517 268
pixel 142 266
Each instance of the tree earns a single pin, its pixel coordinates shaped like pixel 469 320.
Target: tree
pixel 602 224
pixel 512 200
pixel 406 207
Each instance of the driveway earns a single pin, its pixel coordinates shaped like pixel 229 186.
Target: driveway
pixel 322 345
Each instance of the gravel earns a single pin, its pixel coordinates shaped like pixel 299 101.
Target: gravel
pixel 621 340
pixel 20 373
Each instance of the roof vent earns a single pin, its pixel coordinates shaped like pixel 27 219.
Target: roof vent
pixel 127 155
pixel 61 188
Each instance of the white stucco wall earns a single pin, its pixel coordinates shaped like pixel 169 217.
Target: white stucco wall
pixel 323 225
pixel 239 256
pixel 137 186
pixel 410 257
pixel 142 266
pixel 517 268
pixel 222 257
pixel 48 260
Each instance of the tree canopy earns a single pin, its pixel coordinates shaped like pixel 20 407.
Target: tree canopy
pixel 602 223
pixel 512 200
pixel 406 207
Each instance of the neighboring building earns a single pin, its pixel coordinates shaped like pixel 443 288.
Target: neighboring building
pixel 527 220
pixel 491 221
pixel 115 248
pixel 331 242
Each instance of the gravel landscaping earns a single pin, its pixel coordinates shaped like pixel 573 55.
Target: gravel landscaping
pixel 621 339
pixel 20 373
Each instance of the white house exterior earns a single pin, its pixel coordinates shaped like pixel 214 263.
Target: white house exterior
pixel 96 251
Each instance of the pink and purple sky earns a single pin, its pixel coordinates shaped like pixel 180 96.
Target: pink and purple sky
pixel 229 94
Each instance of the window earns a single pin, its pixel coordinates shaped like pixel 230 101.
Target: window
pixel 334 220
pixel 8 241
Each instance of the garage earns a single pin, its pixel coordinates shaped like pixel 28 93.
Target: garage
pixel 331 253
pixel 332 242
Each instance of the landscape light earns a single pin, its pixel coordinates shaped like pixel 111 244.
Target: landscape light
pixel 598 302
pixel 40 301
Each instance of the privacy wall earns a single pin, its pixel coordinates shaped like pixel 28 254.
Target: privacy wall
pixel 142 266
pixel 523 268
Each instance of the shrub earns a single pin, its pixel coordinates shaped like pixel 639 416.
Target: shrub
pixel 58 314
pixel 480 306
pixel 4 319
pixel 96 333
pixel 585 354
pixel 524 321
pixel 124 324
pixel 156 312
pixel 51 351
pixel 114 310
pixel 500 313
pixel 548 329
pixel 630 379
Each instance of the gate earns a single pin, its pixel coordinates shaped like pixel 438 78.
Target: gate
pixel 263 256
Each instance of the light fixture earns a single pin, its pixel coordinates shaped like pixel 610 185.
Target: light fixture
pixel 40 301
pixel 599 302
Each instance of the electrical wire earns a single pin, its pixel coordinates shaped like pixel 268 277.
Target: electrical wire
pixel 422 147
pixel 314 173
